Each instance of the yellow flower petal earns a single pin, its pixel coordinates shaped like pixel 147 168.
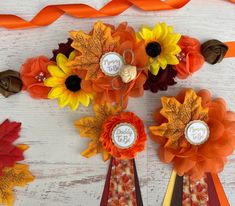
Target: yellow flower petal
pixel 154 67
pixel 172 49
pixel 84 98
pixel 74 102
pixel 62 63
pixel 146 33
pixel 157 31
pixel 64 99
pixel 172 39
pixel 53 81
pixel 71 56
pixel 162 61
pixel 172 59
pixel 56 92
pixel 54 70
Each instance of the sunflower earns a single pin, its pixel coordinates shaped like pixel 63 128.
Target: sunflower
pixel 160 45
pixel 66 85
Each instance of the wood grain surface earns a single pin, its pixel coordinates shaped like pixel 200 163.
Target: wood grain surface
pixel 63 176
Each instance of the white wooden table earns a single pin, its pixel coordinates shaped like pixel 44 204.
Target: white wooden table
pixel 63 176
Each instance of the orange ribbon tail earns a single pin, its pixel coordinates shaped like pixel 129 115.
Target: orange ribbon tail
pixel 231 48
pixel 51 13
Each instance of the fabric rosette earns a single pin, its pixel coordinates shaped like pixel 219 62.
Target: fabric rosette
pixel 102 54
pixel 196 133
pixel 113 132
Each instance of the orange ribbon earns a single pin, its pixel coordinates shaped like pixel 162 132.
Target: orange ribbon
pixel 231 48
pixel 51 13
pixel 220 191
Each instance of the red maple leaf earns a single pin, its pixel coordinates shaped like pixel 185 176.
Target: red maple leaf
pixel 9 153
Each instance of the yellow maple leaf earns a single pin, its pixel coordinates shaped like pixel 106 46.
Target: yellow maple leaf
pixel 18 175
pixel 178 116
pixel 91 127
pixel 92 47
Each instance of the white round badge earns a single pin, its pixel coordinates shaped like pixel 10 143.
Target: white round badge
pixel 124 135
pixel 197 132
pixel 111 63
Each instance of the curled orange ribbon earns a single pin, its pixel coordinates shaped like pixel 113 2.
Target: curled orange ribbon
pixel 51 13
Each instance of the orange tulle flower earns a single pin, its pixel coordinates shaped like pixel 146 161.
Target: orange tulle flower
pixel 106 135
pixel 33 72
pixel 174 148
pixel 121 40
pixel 190 58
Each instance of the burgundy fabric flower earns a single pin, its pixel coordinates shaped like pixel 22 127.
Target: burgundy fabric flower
pixel 161 81
pixel 64 48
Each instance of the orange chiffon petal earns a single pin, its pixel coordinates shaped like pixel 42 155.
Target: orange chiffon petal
pixel 38 91
pixel 165 155
pixel 216 130
pixel 182 165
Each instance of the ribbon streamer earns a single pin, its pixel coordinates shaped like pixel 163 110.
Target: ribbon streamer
pixel 51 13
pixel 122 184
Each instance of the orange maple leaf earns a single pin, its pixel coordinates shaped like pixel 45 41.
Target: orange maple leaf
pixel 178 116
pixel 91 127
pixel 92 47
pixel 18 175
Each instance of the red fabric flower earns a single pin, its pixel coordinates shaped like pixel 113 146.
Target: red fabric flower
pixel 64 48
pixel 33 73
pixel 161 81
pixel 9 153
pixel 190 58
pixel 106 135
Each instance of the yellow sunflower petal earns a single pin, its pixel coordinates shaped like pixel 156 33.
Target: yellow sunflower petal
pixel 54 70
pixel 74 102
pixel 64 99
pixel 162 61
pixel 56 92
pixel 157 31
pixel 154 67
pixel 53 81
pixel 72 56
pixel 62 63
pixel 172 49
pixel 172 39
pixel 146 33
pixel 84 98
pixel 172 59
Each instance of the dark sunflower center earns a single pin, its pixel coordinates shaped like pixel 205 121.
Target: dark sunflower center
pixel 73 83
pixel 153 49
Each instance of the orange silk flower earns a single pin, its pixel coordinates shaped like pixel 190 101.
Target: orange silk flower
pixel 33 72
pixel 174 148
pixel 190 58
pixel 108 88
pixel 106 135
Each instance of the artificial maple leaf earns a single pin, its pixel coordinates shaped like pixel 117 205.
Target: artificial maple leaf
pixel 179 115
pixel 91 127
pixel 18 175
pixel 9 153
pixel 92 47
